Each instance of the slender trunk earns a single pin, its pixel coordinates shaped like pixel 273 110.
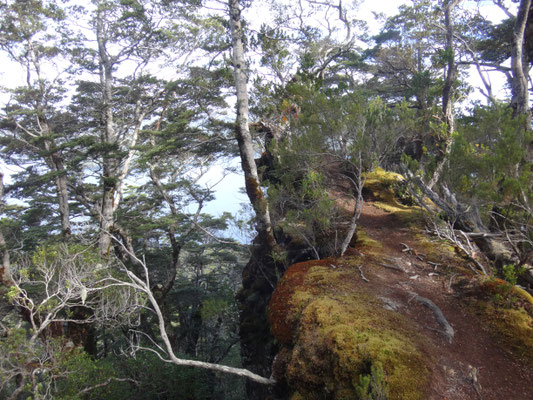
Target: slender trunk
pixel 62 194
pixel 519 65
pixel 54 158
pixel 447 90
pixel 5 276
pixel 109 137
pixel 358 207
pixel 451 68
pixel 244 138
pixel 57 165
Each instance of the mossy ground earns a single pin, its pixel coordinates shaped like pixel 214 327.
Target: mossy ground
pixel 339 328
pixel 333 326
pixel 507 311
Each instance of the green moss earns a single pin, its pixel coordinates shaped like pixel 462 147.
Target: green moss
pixel 381 184
pixel 514 328
pixel 406 215
pixel 366 243
pixel 439 251
pixel 340 330
pixel 512 293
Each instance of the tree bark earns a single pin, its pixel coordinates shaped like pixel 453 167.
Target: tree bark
pixel 447 90
pixel 5 276
pixel 451 67
pixel 242 130
pixel 520 65
pixel 57 165
pixel 109 137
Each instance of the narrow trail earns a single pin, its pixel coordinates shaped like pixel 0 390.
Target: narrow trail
pixel 473 366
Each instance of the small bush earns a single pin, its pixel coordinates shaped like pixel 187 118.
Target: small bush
pixel 372 386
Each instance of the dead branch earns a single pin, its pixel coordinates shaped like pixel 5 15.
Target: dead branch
pixel 413 252
pixel 473 377
pixel 143 286
pixel 393 267
pixel 450 282
pixel 362 276
pixel 434 265
pixel 464 245
pixel 107 382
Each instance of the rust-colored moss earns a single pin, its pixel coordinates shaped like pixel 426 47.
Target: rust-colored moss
pixel 282 318
pixel 496 286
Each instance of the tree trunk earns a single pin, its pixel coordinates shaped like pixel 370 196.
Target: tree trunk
pixel 62 194
pixel 520 66
pixel 57 165
pixel 447 90
pixel 451 68
pixel 242 130
pixel 108 137
pixel 54 158
pixel 260 274
pixel 5 276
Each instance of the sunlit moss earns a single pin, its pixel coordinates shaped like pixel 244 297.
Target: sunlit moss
pixel 514 328
pixel 366 243
pixel 342 329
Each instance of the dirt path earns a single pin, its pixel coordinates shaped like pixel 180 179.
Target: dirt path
pixel 473 366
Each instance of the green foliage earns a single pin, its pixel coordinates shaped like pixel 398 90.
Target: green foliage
pixel 490 169
pixel 144 377
pixel 488 157
pixel 511 273
pixel 372 386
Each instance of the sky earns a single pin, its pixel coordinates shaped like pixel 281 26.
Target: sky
pixel 229 196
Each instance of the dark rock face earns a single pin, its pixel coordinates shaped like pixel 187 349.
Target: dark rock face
pixel 257 343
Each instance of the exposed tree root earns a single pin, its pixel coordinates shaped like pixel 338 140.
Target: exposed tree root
pixel 394 267
pixel 447 329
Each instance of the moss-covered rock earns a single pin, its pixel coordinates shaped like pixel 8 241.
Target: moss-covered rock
pixel 333 330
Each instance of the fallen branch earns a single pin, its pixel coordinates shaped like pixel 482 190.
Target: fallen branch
pixel 394 267
pixel 451 281
pixel 362 276
pixel 413 252
pixel 434 265
pixel 474 379
pixel 447 328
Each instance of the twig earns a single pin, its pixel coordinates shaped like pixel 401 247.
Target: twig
pixel 406 248
pixel 412 251
pixel 362 276
pixel 473 377
pixel 450 282
pixel 434 265
pixel 107 382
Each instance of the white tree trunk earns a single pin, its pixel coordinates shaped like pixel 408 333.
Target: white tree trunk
pixel 244 138
pixel 519 68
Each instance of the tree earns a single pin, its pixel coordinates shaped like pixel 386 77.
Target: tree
pixel 242 131
pixel 519 64
pixel 120 108
pixel 33 116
